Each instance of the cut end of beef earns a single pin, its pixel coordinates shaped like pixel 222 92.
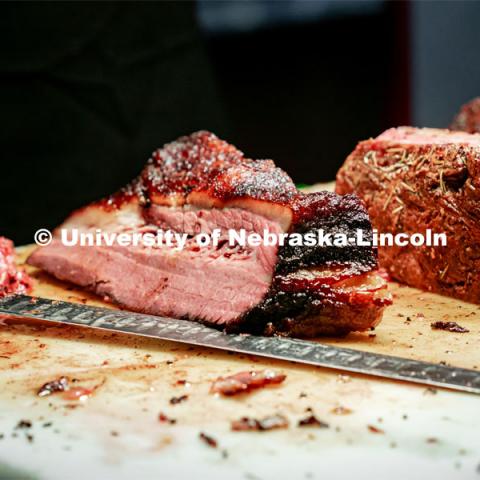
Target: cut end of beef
pixel 468 118
pixel 311 303
pixel 199 184
pixel 12 279
pixel 413 180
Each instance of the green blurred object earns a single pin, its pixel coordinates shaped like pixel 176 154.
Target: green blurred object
pixel 302 185
pixel 9 473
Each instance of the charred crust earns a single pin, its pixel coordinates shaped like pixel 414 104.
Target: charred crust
pixel 201 162
pixel 333 214
pixel 304 313
pixel 258 179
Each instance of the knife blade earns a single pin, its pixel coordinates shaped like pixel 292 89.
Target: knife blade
pixel 296 350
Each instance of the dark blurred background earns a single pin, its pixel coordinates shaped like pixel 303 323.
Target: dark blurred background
pixel 88 90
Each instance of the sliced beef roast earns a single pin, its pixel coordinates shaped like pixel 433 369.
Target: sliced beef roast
pixel 412 180
pixel 200 183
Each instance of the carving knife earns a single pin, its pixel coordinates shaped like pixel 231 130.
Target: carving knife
pixel 295 350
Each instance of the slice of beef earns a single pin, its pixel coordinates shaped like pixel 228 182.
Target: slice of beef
pixel 468 118
pixel 12 279
pixel 200 183
pixel 417 179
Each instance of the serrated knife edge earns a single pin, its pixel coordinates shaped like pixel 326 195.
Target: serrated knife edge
pixel 301 351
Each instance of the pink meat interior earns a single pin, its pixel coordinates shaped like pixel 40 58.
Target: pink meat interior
pixel 420 136
pixel 216 284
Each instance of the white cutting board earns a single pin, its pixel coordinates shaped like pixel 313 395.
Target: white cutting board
pixel 115 434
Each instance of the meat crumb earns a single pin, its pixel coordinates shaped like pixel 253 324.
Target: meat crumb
pixel 211 442
pixel 78 393
pixel 374 429
pixel 164 419
pixel 341 410
pixel 59 385
pixel 176 400
pixel 430 391
pixel 312 421
pixel 268 423
pixel 23 424
pixel 243 382
pixel 449 327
